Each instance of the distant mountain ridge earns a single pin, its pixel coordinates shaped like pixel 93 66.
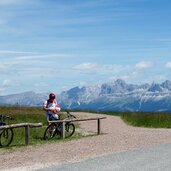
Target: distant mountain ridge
pixel 119 96
pixel 113 96
pixel 29 98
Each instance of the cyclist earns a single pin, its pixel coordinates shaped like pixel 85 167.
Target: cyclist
pixel 52 108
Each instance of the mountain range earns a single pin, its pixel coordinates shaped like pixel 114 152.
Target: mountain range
pixel 113 96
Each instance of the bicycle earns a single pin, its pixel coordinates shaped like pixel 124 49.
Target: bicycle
pixel 55 129
pixel 6 134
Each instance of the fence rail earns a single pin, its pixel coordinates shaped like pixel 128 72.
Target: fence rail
pixel 27 127
pixel 98 119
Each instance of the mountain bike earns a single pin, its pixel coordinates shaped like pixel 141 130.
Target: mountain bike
pixel 6 134
pixel 55 129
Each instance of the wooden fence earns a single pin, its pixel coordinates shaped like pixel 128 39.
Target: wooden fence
pixel 27 127
pixel 98 119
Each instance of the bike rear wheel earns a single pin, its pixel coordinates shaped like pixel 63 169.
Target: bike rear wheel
pixel 69 129
pixel 6 137
pixel 51 131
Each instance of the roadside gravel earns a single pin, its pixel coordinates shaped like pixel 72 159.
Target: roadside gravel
pixel 116 137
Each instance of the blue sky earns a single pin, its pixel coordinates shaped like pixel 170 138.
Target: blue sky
pixel 54 45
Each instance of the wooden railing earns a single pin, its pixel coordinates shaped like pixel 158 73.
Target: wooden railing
pixel 27 127
pixel 79 120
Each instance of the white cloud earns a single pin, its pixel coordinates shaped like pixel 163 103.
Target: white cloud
pixel 168 65
pixel 6 83
pixel 11 61
pixel 144 65
pixel 6 66
pixel 2 90
pixel 15 52
pixel 93 67
pixel 160 77
pixel 3 66
pixel 41 84
pixel 130 76
pixel 9 2
pixel 86 66
pixel 37 57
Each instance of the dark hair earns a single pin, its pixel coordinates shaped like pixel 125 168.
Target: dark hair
pixel 52 96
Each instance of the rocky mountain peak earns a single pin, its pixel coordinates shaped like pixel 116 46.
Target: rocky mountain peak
pixel 113 96
pixel 155 88
pixel 166 84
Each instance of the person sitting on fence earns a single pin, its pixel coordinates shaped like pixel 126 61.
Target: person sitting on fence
pixel 52 108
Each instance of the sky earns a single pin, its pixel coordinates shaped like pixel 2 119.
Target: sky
pixel 54 45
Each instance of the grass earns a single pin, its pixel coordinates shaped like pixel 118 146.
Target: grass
pixel 154 120
pixel 35 115
pixel 141 119
pixel 25 115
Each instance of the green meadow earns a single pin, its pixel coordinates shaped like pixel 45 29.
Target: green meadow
pixel 28 115
pixel 25 115
pixel 36 115
pixel 149 119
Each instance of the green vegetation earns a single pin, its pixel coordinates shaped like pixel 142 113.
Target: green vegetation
pixel 28 115
pixel 36 115
pixel 142 119
pixel 25 115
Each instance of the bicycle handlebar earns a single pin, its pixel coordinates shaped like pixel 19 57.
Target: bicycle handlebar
pixel 69 114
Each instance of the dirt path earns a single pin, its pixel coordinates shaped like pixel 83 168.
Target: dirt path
pixel 117 137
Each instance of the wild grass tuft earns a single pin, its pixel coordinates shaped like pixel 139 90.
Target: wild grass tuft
pixel 145 119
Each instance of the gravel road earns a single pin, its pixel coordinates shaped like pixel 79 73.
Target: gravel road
pixel 117 137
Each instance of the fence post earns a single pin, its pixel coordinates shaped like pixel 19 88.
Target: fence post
pixel 27 132
pixel 63 129
pixel 98 126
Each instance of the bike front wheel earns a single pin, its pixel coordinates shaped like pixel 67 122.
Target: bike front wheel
pixel 51 131
pixel 6 137
pixel 69 129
